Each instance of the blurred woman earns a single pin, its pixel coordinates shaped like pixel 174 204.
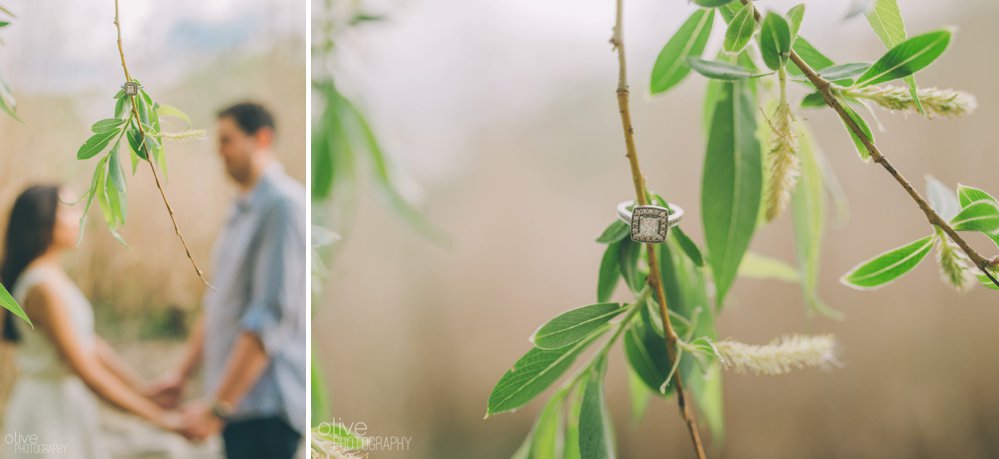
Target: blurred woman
pixel 62 364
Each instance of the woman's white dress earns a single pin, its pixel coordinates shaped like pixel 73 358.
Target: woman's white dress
pixel 51 413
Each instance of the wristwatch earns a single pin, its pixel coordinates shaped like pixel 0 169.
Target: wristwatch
pixel 221 410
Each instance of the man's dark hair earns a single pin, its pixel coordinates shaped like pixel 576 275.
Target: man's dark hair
pixel 251 117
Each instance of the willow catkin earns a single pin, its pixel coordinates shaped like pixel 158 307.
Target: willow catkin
pixel 323 448
pixel 192 134
pixel 782 161
pixel 936 102
pixel 780 356
pixel 955 267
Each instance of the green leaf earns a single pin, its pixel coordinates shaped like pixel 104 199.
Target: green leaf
pixel 107 125
pixel 572 326
pixel 968 195
pixel 358 124
pixel 687 295
pixel 688 246
pixel 639 394
pixel 756 266
pixel 719 70
pixel 775 40
pixel 595 437
pixel 838 73
pixel 320 398
pixel 11 305
pixel 547 431
pixel 888 266
pixel 610 269
pixel 646 353
pixel 532 374
pixel 7 102
pixel 942 199
pixel 808 53
pixel 628 257
pixel 96 144
pixel 808 214
pixel 981 216
pixel 173 112
pixel 862 150
pixel 794 16
pixel 572 426
pixel 740 29
pixel 732 184
pixel 671 65
pixel 988 282
pixel 906 58
pixel 122 107
pixel 615 232
pixel 114 168
pixel 886 20
pixel 137 142
pixel 813 100
pixel 91 194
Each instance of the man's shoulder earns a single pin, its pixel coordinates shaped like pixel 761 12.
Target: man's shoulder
pixel 284 192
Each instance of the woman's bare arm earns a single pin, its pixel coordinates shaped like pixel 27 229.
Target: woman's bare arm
pixel 49 314
pixel 117 366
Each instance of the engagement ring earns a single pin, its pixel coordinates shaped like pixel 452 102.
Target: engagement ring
pixel 649 223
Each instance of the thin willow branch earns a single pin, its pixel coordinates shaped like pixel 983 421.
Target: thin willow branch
pixel 152 166
pixel 641 197
pixel 825 88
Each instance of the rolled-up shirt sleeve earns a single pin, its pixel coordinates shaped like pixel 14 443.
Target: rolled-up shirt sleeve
pixel 277 274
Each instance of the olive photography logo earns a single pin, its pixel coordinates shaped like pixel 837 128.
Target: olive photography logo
pixel 355 436
pixel 24 443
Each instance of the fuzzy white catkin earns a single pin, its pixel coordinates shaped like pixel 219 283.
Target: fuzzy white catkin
pixel 193 134
pixel 325 449
pixel 780 356
pixel 936 102
pixel 955 267
pixel 783 163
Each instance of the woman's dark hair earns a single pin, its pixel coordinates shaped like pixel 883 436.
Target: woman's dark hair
pixel 29 234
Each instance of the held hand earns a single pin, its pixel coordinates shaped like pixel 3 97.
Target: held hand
pixel 199 421
pixel 172 421
pixel 166 390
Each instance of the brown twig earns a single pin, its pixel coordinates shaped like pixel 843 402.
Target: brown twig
pixel 152 166
pixel 641 193
pixel 825 88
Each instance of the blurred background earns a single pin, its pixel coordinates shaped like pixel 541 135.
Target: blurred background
pixel 60 59
pixel 500 116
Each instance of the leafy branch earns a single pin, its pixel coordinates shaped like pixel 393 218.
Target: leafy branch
pixel 137 122
pixel 845 88
pixel 900 62
pixel 641 197
pixel 825 88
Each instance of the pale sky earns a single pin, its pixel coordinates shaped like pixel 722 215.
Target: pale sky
pixel 57 46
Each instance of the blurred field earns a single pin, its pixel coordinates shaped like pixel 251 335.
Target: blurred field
pixel 513 127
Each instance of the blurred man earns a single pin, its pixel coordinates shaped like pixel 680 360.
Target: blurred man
pixel 251 336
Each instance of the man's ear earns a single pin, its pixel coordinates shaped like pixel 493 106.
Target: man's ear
pixel 265 137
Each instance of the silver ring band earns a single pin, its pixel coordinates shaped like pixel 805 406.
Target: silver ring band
pixel 675 212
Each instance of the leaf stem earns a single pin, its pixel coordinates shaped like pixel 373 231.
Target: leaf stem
pixel 152 167
pixel 825 88
pixel 641 196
